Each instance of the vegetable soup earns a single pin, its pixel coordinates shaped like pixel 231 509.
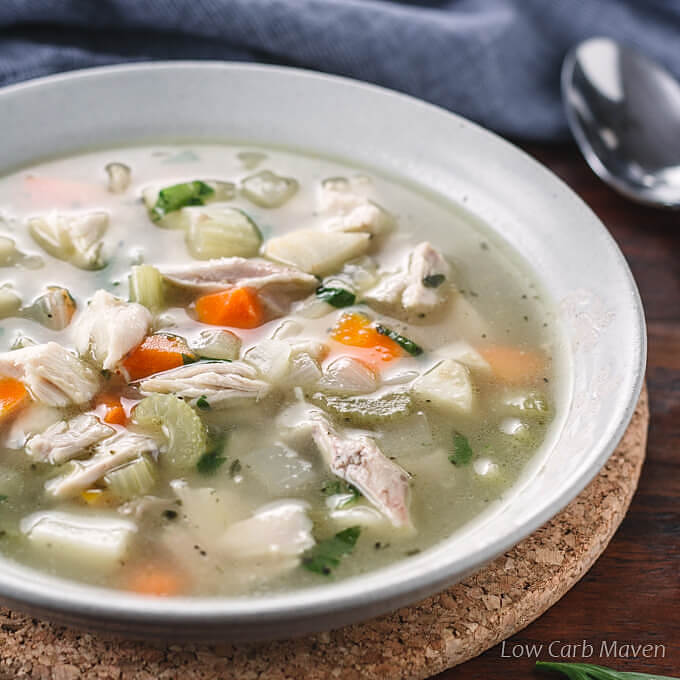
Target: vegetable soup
pixel 234 371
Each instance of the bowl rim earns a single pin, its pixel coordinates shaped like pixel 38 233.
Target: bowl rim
pixel 47 593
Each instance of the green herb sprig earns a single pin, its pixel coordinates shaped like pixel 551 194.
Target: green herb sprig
pixel 337 297
pixel 587 671
pixel 462 451
pixel 339 486
pixel 211 461
pixel 405 343
pixel 326 555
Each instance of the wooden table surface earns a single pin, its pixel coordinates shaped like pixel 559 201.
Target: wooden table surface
pixel 632 594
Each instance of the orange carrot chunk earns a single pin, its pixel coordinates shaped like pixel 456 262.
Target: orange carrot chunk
pixel 159 352
pixel 236 307
pixel 514 365
pixel 157 580
pixel 356 330
pixel 13 396
pixel 114 413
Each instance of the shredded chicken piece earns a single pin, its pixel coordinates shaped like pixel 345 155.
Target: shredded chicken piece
pixel 219 382
pixel 109 328
pixel 74 238
pixel 420 288
pixel 109 454
pixel 357 459
pixel 53 375
pixel 277 285
pixel 364 217
pixel 67 439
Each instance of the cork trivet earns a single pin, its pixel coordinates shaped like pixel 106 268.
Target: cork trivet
pixel 414 642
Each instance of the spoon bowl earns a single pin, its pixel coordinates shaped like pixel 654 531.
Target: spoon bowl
pixel 624 111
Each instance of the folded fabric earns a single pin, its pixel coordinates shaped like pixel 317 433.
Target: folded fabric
pixel 494 61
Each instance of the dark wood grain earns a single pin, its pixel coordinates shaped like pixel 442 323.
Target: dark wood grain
pixel 632 594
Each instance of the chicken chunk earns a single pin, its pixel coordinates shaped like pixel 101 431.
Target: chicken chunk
pixel 109 454
pixel 357 459
pixel 67 439
pixel 420 288
pixel 53 375
pixel 366 217
pixel 74 238
pixel 109 328
pixel 277 285
pixel 278 531
pixel 221 383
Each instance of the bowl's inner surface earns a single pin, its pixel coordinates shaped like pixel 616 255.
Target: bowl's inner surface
pixel 599 329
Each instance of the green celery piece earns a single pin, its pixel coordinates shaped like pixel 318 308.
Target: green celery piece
pixel 462 451
pixel 338 297
pixel 179 196
pixel 586 671
pixel 326 555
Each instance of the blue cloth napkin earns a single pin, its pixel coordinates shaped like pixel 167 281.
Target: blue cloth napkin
pixel 494 61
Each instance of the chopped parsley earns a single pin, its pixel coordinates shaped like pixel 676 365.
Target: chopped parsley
pixel 235 468
pixel 462 451
pixel 433 280
pixel 403 342
pixel 170 514
pixel 338 297
pixel 179 196
pixel 3 497
pixel 203 403
pixel 340 487
pixel 212 460
pixel 326 555
pixel 189 359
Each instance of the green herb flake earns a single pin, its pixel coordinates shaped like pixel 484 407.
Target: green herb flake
pixel 105 373
pixel 411 347
pixel 203 403
pixel 179 196
pixel 235 468
pixel 433 280
pixel 3 497
pixel 462 451
pixel 586 671
pixel 338 297
pixel 326 555
pixel 212 459
pixel 336 487
pixel 189 359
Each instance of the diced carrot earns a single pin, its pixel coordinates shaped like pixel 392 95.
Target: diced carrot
pixel 13 396
pixel 514 365
pixel 155 579
pixel 114 413
pixel 97 497
pixel 236 307
pixel 356 330
pixel 52 191
pixel 159 352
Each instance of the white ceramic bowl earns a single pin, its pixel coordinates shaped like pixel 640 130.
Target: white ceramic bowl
pixel 573 257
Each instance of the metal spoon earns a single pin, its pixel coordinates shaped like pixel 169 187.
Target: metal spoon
pixel 624 111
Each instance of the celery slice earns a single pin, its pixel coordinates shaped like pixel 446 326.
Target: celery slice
pixel 134 479
pixel 180 424
pixel 146 286
pixel 220 231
